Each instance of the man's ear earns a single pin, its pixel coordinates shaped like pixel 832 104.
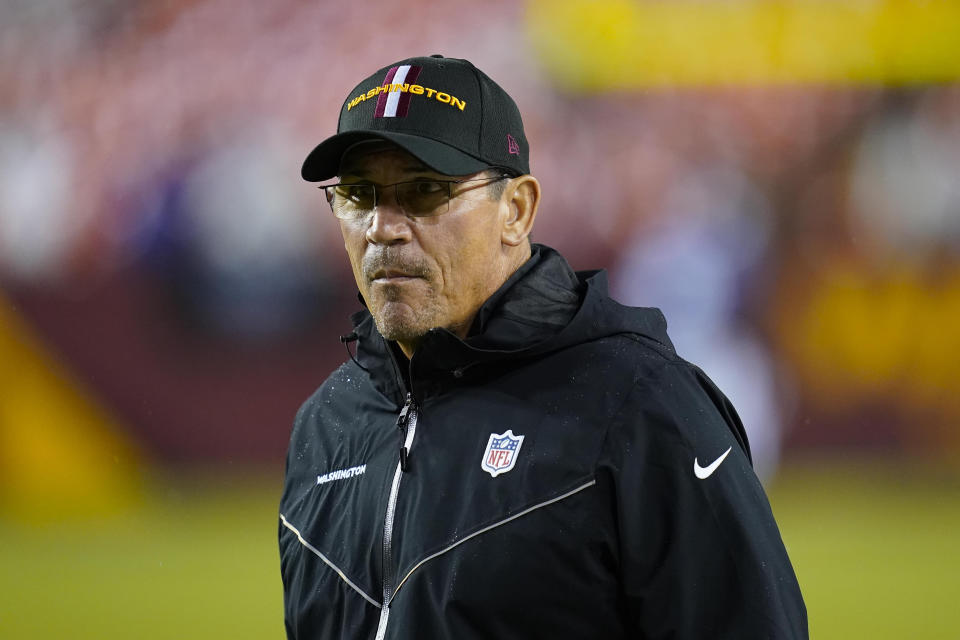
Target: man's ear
pixel 521 197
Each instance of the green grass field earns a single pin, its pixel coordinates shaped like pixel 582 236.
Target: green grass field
pixel 876 549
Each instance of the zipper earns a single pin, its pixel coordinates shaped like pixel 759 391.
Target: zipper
pixel 403 428
pixel 407 424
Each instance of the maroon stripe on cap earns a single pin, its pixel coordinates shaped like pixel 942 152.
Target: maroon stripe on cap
pixel 403 105
pixel 382 98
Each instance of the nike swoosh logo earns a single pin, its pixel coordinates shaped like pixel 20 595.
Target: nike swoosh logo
pixel 705 472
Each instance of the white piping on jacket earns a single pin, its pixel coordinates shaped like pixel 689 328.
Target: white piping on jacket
pixel 328 563
pixel 488 528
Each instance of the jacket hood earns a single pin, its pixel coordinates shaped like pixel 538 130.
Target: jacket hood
pixel 543 307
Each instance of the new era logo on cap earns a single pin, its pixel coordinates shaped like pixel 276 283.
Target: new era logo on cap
pixel 512 146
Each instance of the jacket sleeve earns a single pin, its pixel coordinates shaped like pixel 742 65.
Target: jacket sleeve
pixel 700 553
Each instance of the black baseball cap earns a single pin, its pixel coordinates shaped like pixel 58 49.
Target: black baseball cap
pixel 444 111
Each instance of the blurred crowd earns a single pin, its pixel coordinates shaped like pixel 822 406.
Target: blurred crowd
pixel 803 241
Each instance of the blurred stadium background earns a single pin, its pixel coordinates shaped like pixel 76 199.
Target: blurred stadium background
pixel 780 177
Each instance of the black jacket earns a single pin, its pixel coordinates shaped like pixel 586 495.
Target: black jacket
pixel 593 525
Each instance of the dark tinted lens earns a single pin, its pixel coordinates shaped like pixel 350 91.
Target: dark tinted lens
pixel 359 195
pixel 423 197
pixel 351 200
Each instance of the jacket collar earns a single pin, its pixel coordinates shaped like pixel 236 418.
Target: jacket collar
pixel 543 306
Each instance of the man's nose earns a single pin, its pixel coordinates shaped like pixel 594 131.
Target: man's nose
pixel 388 223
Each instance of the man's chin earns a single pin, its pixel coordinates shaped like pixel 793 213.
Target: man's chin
pixel 399 322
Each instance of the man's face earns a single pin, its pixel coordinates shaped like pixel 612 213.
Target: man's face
pixel 418 273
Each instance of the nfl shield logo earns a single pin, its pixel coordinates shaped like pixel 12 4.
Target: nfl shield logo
pixel 501 453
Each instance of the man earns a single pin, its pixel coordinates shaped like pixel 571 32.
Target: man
pixel 511 453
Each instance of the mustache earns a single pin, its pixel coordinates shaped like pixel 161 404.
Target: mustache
pixel 391 259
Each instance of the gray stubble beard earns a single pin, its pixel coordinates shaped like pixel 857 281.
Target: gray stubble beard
pixel 404 327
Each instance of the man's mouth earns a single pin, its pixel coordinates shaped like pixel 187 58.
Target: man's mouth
pixel 392 276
